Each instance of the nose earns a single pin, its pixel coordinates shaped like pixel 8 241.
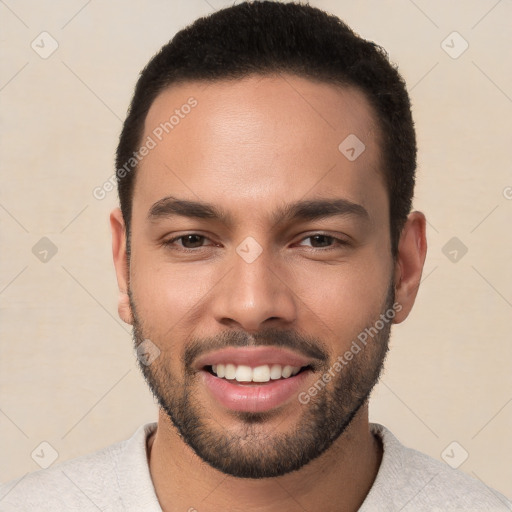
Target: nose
pixel 255 295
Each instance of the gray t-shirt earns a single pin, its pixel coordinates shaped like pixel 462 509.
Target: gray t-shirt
pixel 117 478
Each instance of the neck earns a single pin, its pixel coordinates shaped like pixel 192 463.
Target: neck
pixel 343 475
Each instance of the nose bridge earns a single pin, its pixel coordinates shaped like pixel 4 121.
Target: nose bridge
pixel 253 291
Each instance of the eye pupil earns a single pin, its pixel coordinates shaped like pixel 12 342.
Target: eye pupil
pixel 196 241
pixel 324 237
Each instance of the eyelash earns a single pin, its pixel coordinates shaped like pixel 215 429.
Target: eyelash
pixel 339 242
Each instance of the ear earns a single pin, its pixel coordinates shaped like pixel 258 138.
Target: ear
pixel 412 250
pixel 118 230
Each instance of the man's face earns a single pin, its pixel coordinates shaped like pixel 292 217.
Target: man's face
pixel 265 285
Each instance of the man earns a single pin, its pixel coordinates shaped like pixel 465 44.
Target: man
pixel 264 246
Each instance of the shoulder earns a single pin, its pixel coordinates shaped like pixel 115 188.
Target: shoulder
pixel 89 482
pixel 72 484
pixel 411 480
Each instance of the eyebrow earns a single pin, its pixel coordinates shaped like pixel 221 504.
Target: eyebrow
pixel 305 210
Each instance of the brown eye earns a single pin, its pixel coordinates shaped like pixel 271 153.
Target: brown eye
pixel 187 242
pixel 321 240
pixel 191 241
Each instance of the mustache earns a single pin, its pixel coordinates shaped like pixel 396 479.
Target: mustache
pixel 304 344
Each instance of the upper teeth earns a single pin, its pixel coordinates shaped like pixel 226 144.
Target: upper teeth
pixel 264 373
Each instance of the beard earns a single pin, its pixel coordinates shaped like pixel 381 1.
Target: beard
pixel 255 451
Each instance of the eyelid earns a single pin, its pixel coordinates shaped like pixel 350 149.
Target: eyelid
pixel 171 241
pixel 340 241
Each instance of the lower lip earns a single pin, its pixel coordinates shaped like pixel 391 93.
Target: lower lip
pixel 253 397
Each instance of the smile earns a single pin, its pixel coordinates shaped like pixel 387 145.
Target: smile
pixel 254 379
pixel 262 373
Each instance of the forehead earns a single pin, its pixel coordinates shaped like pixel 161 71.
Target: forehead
pixel 249 140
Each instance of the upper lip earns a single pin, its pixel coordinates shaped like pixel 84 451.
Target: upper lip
pixel 253 357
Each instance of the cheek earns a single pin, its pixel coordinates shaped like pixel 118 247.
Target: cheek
pixel 344 301
pixel 167 296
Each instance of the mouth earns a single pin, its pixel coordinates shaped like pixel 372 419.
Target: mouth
pixel 254 379
pixel 244 374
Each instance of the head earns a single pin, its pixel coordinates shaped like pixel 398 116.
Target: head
pixel 254 131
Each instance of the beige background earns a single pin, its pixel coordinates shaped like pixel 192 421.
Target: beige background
pixel 68 373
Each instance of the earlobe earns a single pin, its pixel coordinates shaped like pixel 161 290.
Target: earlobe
pixel 124 309
pixel 412 250
pixel 118 230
